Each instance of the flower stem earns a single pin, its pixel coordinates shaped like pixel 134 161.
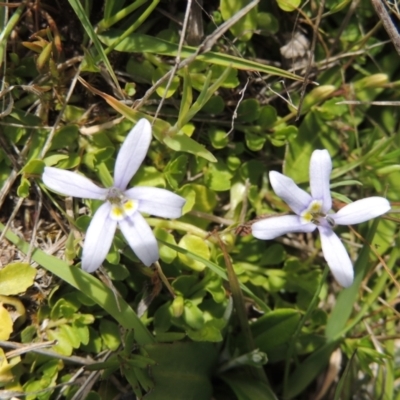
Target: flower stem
pixel 164 279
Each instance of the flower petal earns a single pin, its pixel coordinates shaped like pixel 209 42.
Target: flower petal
pixel 132 153
pixel 320 172
pixel 297 199
pixel 72 184
pixel 270 228
pixel 140 238
pixel 98 239
pixel 336 256
pixel 361 211
pixel 156 201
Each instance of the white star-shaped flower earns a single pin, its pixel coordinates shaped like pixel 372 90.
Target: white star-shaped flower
pixel 121 206
pixel 314 212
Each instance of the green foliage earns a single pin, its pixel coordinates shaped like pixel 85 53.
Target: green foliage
pixel 230 316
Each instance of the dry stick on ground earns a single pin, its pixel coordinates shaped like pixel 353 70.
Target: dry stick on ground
pixel 90 381
pixel 311 59
pixel 234 116
pixel 38 348
pixel 178 56
pixel 206 46
pixel 387 23
pixel 13 214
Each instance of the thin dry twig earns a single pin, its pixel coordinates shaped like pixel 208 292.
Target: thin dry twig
pixel 90 381
pixel 206 46
pixel 311 59
pixel 12 216
pixel 38 348
pixel 387 23
pixel 234 115
pixel 178 56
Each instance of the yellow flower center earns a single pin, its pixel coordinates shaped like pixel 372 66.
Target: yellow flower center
pixel 313 213
pixel 121 207
pixel 123 210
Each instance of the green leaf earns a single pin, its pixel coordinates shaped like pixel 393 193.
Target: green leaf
pixel 23 188
pixel 275 254
pixel 182 142
pixel 197 246
pixel 244 28
pixel 162 318
pixel 248 110
pixel 71 334
pixel 67 135
pixel 341 312
pixel 207 333
pixel 110 334
pixel 142 72
pixel 33 167
pixel 275 328
pixel 215 287
pixel 81 331
pixel 192 315
pixel 309 369
pixel 175 170
pixel 166 253
pixel 267 116
pixel 64 308
pixel 252 170
pixel 288 5
pixel 16 278
pixel 247 387
pixel 207 91
pixel 140 43
pixel 254 142
pixel 63 345
pixel 218 176
pixel 219 139
pixel 162 89
pixel 183 370
pixel 267 23
pixel 214 106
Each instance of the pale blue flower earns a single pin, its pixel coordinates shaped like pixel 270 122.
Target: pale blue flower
pixel 314 212
pixel 121 206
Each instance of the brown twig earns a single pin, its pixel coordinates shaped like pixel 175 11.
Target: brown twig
pixel 387 23
pixel 205 46
pixel 311 58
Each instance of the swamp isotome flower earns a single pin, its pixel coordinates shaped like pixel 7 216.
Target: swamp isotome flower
pixel 121 206
pixel 312 212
